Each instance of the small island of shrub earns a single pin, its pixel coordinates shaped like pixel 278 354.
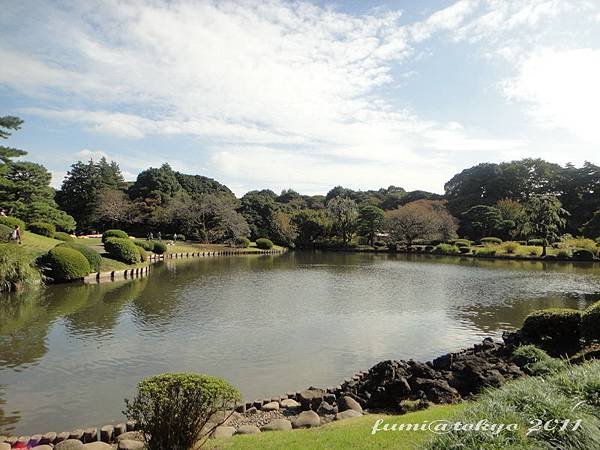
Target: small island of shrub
pixel 64 264
pixel 590 323
pixel 264 244
pixel 122 249
pixel 93 257
pixel 114 234
pixel 554 327
pixel 159 247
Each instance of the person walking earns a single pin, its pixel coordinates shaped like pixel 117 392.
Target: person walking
pixel 159 236
pixel 175 237
pixel 16 234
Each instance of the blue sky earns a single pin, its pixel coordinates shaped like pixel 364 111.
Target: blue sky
pixel 276 94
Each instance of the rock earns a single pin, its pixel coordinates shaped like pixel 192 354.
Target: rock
pixel 241 408
pixel 60 437
pixel 277 425
pixel 106 433
pixel 131 425
pixel 311 398
pixel 271 406
pixel 437 391
pixel 35 440
pixel 251 410
pixel 248 429
pixel 76 434
pixel 97 446
pixel 290 404
pixel 69 444
pixel 330 398
pixel 120 428
pixel 128 444
pixel 48 438
pixel 132 436
pixel 90 435
pixel 307 419
pixel 325 409
pixel 223 432
pixel 347 414
pixel 346 403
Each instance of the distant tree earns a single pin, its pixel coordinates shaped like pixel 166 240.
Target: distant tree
pixel 370 221
pixel 481 221
pixel 198 184
pixel 259 209
pixel 311 226
pixel 591 228
pixel 514 218
pixel 114 209
pixel 344 213
pixel 285 231
pixel 162 181
pixel 546 218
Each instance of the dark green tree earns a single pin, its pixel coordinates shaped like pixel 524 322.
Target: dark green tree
pixel 370 221
pixel 162 181
pixel 344 214
pixel 546 218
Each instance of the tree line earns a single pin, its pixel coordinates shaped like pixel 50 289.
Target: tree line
pixel 529 198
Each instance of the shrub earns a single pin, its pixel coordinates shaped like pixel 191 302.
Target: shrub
pixel 557 327
pixel 242 242
pixel 491 240
pixel 11 222
pixel 142 253
pixel 379 244
pixel 510 247
pixel 462 243
pixel 93 257
pixel 446 249
pixel 485 252
pixel 146 245
pixel 264 244
pixel 15 267
pixel 464 250
pixel 590 322
pixel 64 264
pixel 173 409
pixel 122 249
pixel 181 237
pixel 581 254
pixel 563 254
pixel 62 236
pixel 5 233
pixel 536 242
pixel 587 244
pixel 42 228
pixel 159 247
pixel 536 361
pixel 114 234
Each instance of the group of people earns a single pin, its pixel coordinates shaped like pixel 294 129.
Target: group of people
pixel 150 237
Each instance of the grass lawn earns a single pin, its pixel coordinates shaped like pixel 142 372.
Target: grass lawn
pixel 345 434
pixel 35 245
pixel 190 247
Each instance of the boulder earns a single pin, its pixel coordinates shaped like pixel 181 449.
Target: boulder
pixel 120 428
pixel 248 429
pixel 277 425
pixel 347 414
pixel 307 419
pixel 346 403
pixel 128 444
pixel 223 432
pixel 437 391
pixel 290 403
pixel 251 410
pixel 271 406
pixel 325 409
pixel 69 444
pixel 76 434
pixel 106 433
pixel 48 438
pixel 311 398
pixel 97 446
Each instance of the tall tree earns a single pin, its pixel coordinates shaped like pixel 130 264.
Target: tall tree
pixel 546 218
pixel 370 221
pixel 344 213
pixel 162 181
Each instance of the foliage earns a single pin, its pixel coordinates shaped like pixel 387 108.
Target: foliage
pixel 344 214
pixel 590 322
pixel 546 218
pixel 491 240
pixel 510 247
pixel 264 244
pixel 46 212
pixel 93 257
pixel 122 249
pixel 535 361
pixel 162 181
pixel 557 327
pixel 5 233
pixel 63 264
pixel 15 267
pixel 462 242
pixel 172 409
pixel 242 242
pixel 370 221
pixel 142 253
pixel 11 222
pixel 146 245
pixel 582 254
pixel 42 228
pixel 486 251
pixel 447 249
pixel 312 226
pixel 591 228
pixel 481 220
pixel 536 242
pixel 159 247
pixel 62 236
pixel 114 234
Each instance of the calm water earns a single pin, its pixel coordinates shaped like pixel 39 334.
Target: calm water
pixel 268 324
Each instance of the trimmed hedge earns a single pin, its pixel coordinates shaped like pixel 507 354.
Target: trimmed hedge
pixel 93 257
pixel 181 237
pixel 159 247
pixel 64 264
pixel 581 254
pixel 464 250
pixel 462 243
pixel 264 244
pixel 491 240
pixel 10 222
pixel 146 245
pixel 42 228
pixel 590 322
pixel 485 252
pixel 122 249
pixel 446 249
pixel 5 233
pixel 242 242
pixel 536 242
pixel 62 236
pixel 555 326
pixel 114 234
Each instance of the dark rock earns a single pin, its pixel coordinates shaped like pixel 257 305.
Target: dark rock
pixel 48 438
pixel 326 408
pixel 437 391
pixel 311 398
pixel 346 403
pixel 251 410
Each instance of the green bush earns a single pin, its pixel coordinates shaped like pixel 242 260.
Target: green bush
pixel 590 322
pixel 462 243
pixel 42 228
pixel 464 250
pixel 15 267
pixel 114 234
pixel 582 254
pixel 62 236
pixel 536 361
pixel 146 245
pixel 181 237
pixel 485 252
pixel 11 222
pixel 142 253
pixel 159 247
pixel 446 249
pixel 122 249
pixel 93 257
pixel 242 242
pixel 264 244
pixel 5 233
pixel 553 327
pixel 536 242
pixel 491 240
pixel 522 242
pixel 510 247
pixel 173 409
pixel 563 254
pixel 64 264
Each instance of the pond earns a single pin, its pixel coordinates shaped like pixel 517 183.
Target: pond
pixel 69 354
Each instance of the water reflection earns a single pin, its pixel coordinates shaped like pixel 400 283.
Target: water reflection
pixel 267 323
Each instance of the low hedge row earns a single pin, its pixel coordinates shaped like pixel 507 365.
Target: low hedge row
pixel 5 233
pixel 62 236
pixel 590 323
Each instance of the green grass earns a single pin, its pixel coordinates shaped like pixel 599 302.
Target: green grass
pixel 345 434
pixel 36 245
pixel 190 247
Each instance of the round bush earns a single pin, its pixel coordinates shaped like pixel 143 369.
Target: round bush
pixel 93 257
pixel 11 222
pixel 159 248
pixel 242 242
pixel 62 236
pixel 146 245
pixel 64 264
pixel 5 233
pixel 462 243
pixel 122 249
pixel 485 252
pixel 142 252
pixel 446 249
pixel 555 327
pixel 42 228
pixel 172 408
pixel 464 250
pixel 536 242
pixel 590 323
pixel 581 254
pixel 114 234
pixel 491 240
pixel 264 244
